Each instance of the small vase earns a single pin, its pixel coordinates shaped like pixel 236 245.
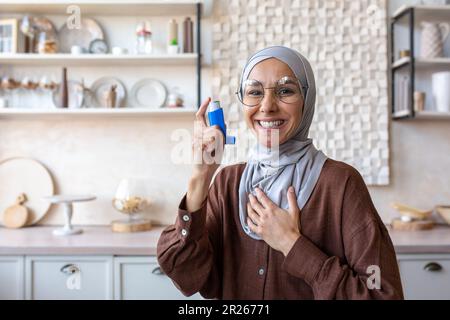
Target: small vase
pixel 172 49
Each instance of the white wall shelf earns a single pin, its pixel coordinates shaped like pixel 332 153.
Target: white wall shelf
pixel 107 7
pixel 123 11
pixel 410 75
pixel 426 12
pixel 433 115
pixel 424 115
pixel 58 59
pixel 17 113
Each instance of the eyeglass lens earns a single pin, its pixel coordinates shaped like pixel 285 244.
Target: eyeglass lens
pixel 286 90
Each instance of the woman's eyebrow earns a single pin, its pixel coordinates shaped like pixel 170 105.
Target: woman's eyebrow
pixel 286 81
pixel 290 81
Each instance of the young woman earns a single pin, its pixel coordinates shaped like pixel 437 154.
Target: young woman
pixel 288 224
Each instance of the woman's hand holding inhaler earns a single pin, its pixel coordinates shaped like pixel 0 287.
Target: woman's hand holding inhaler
pixel 207 150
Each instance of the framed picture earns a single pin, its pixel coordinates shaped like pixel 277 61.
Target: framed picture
pixel 11 39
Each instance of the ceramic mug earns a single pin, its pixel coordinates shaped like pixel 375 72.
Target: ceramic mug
pixel 76 50
pixel 3 103
pixel 441 92
pixel 419 101
pixel 118 50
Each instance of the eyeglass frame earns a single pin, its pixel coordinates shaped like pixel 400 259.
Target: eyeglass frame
pixel 303 91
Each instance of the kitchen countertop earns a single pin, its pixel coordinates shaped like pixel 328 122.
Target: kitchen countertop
pixel 100 240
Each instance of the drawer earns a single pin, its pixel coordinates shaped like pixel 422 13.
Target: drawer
pixel 67 278
pixel 425 276
pixel 11 278
pixel 140 278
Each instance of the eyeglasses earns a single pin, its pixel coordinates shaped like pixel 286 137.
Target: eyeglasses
pixel 286 90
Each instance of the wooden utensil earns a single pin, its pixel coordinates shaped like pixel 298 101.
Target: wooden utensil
pixel 16 216
pixel 411 212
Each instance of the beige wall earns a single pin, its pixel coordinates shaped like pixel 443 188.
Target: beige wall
pixel 92 155
pixel 419 158
pixel 420 167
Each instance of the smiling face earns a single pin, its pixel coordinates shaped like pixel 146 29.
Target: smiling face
pixel 272 116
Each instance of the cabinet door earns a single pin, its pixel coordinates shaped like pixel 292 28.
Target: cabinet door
pixel 425 276
pixel 67 277
pixel 11 278
pixel 141 278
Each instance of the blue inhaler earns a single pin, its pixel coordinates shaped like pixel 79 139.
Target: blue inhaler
pixel 215 117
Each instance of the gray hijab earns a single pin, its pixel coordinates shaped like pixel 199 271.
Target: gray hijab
pixel 297 162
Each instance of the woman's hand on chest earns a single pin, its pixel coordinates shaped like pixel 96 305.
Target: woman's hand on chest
pixel 279 228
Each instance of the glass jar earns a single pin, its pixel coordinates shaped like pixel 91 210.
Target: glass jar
pixel 144 42
pixel 46 43
pixel 175 99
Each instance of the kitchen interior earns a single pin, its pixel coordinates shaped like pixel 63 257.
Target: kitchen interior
pixel 96 98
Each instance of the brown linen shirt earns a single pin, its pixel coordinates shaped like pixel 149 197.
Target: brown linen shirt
pixel 342 235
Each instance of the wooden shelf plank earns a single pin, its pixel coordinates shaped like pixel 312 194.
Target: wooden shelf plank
pixel 422 62
pixel 19 113
pixel 422 115
pixel 435 115
pixel 401 62
pixel 187 59
pixel 103 7
pixel 401 114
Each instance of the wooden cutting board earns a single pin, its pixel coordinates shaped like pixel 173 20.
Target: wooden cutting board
pixel 414 225
pixel 16 216
pixel 24 175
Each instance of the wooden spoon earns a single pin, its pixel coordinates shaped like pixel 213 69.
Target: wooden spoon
pixel 16 216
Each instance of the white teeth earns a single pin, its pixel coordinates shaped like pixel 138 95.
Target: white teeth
pixel 270 124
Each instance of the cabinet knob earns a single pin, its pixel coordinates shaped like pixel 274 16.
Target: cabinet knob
pixel 433 267
pixel 70 269
pixel 157 271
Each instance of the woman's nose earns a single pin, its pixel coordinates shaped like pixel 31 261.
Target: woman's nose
pixel 269 102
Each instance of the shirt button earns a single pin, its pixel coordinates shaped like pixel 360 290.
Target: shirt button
pixel 183 232
pixel 261 271
pixel 186 217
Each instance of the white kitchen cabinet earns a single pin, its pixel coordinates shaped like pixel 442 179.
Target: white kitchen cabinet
pixel 425 276
pixel 141 278
pixel 69 277
pixel 85 277
pixel 11 278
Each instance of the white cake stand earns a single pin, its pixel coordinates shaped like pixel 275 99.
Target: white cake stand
pixel 67 201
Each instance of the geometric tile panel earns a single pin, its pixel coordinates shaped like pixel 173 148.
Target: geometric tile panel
pixel 346 43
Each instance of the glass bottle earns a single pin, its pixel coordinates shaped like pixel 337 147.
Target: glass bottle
pixel 144 39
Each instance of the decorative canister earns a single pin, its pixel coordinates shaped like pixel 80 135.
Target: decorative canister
pixel 432 39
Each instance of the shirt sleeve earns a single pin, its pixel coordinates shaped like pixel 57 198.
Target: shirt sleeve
pixel 188 251
pixel 370 270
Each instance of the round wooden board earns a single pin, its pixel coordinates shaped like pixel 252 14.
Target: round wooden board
pixel 134 226
pixel 398 224
pixel 28 176
pixel 15 216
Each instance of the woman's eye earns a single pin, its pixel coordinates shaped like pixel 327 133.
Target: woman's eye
pixel 254 93
pixel 285 91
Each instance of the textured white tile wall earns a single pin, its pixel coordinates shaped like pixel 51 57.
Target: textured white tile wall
pixel 346 43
